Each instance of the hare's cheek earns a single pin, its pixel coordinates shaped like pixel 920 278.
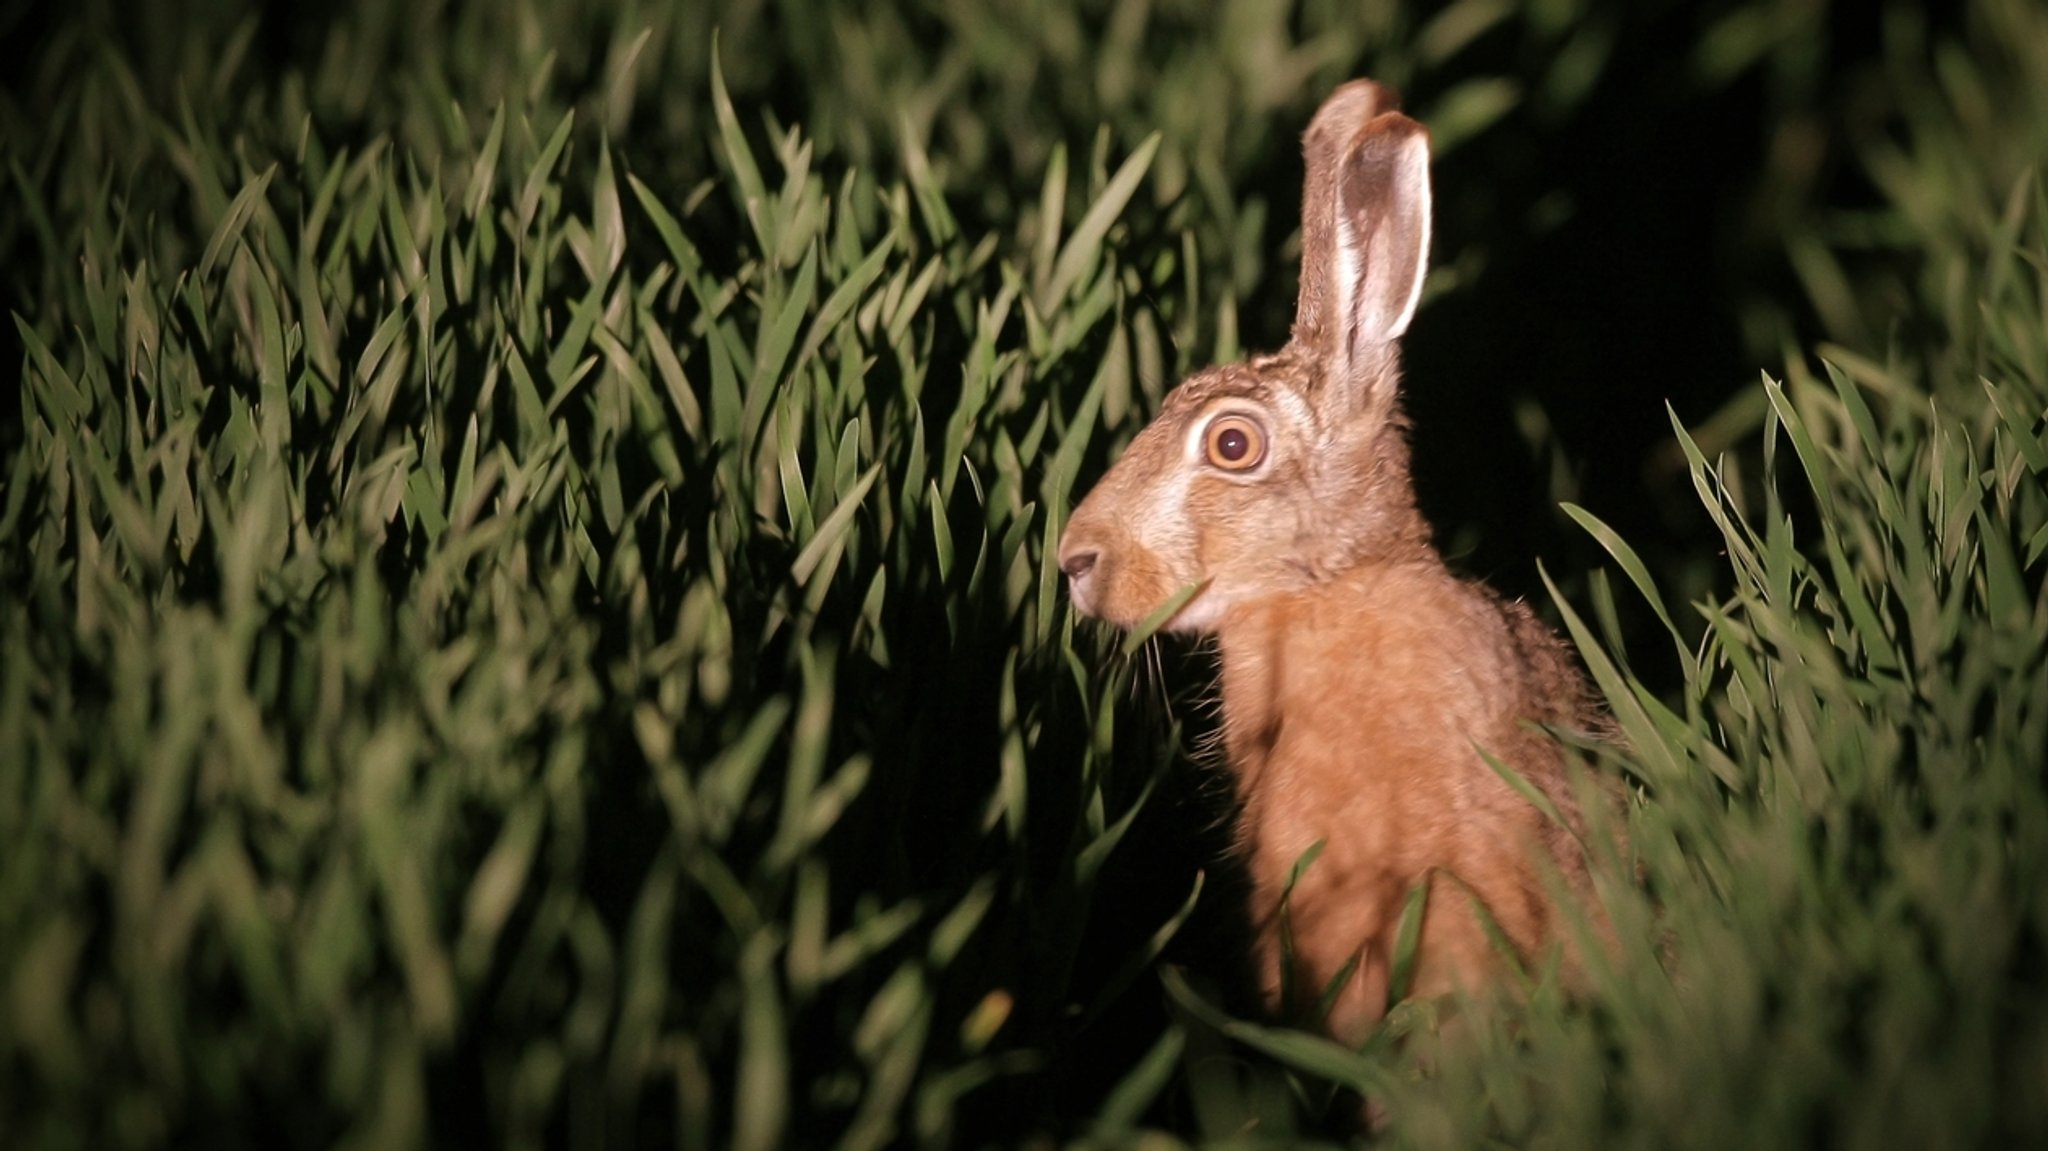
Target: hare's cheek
pixel 1132 584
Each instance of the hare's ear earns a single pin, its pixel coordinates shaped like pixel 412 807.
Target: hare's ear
pixel 1365 238
pixel 1382 231
pixel 1320 313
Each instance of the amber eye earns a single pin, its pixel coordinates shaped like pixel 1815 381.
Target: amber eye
pixel 1235 443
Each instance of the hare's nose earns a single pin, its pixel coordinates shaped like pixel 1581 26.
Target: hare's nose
pixel 1078 564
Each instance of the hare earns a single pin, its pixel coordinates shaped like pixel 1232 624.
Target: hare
pixel 1361 680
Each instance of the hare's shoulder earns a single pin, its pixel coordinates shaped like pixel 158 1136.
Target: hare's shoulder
pixel 1494 664
pixel 1555 689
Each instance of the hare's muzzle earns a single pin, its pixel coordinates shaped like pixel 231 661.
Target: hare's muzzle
pixel 1077 560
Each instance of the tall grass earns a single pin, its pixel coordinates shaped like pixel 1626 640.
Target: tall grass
pixel 530 615
pixel 471 650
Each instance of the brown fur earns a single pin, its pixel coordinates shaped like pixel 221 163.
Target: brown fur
pixel 1360 678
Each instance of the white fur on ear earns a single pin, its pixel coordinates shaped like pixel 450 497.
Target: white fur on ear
pixel 1383 221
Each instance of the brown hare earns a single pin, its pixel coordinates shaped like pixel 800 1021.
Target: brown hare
pixel 1361 680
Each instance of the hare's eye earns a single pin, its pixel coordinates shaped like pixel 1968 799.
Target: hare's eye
pixel 1235 443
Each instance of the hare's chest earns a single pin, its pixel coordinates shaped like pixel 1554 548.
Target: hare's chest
pixel 1379 796
pixel 1354 796
pixel 1353 739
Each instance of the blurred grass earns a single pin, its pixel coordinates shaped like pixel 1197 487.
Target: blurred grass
pixel 466 630
pixel 530 616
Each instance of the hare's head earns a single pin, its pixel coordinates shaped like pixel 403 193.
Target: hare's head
pixel 1264 477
